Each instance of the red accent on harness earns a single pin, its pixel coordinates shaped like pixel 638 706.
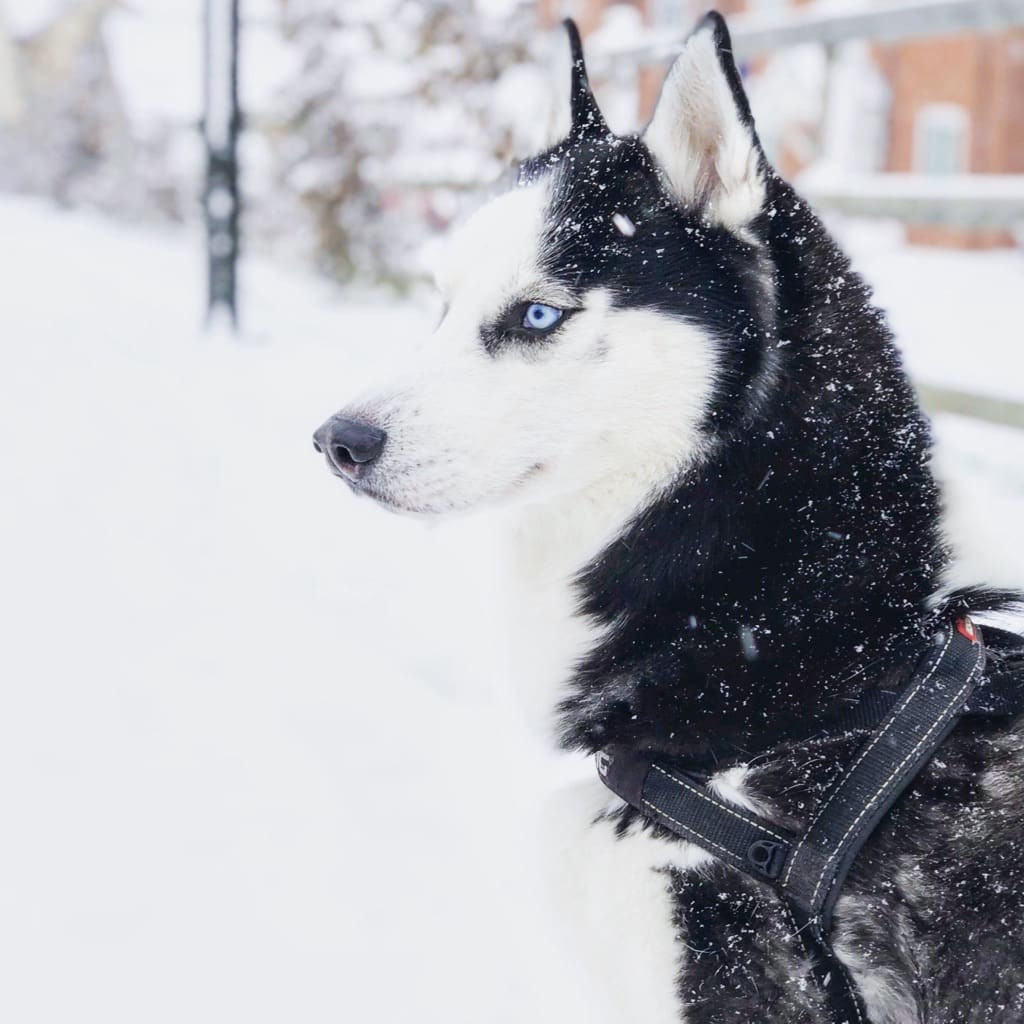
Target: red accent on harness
pixel 965 627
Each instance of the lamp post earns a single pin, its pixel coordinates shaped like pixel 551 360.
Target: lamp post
pixel 220 126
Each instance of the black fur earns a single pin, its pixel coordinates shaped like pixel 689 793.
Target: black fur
pixel 795 565
pixel 675 261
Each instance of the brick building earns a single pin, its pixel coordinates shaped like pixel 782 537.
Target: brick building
pixel 956 108
pixel 954 102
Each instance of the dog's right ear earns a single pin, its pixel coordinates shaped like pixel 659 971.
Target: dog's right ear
pixel 587 118
pixel 580 116
pixel 702 132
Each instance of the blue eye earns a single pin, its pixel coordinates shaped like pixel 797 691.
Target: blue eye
pixel 539 317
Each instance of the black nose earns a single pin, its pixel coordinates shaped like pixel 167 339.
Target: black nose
pixel 350 445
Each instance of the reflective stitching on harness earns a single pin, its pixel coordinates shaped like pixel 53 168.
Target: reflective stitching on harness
pixel 851 984
pixel 719 806
pixel 864 753
pixel 812 953
pixel 797 930
pixel 924 739
pixel 799 933
pixel 693 832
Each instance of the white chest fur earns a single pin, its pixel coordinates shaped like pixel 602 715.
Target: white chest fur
pixel 608 895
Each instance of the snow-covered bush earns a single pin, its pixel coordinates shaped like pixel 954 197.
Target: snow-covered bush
pixel 65 132
pixel 394 110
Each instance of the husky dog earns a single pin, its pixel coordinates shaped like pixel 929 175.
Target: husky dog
pixel 654 353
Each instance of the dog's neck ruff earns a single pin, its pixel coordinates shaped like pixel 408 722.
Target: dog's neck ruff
pixel 807 870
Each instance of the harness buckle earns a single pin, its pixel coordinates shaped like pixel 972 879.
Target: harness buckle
pixel 767 857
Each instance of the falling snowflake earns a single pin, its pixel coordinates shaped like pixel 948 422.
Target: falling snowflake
pixel 623 225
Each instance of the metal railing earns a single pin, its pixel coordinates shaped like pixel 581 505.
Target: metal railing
pixel 1002 411
pixel 994 201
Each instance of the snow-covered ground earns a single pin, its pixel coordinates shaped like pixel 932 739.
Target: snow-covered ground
pixel 238 705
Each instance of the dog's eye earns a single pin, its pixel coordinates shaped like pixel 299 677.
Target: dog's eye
pixel 539 317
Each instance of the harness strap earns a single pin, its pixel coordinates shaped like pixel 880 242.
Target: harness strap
pixel 808 871
pixel 1000 696
pixel 684 805
pixel 855 804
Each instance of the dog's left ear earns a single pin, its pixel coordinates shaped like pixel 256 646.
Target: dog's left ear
pixel 587 118
pixel 702 132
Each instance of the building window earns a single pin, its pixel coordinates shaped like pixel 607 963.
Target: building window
pixel 940 139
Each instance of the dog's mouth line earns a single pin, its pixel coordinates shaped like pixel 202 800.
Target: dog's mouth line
pixel 392 504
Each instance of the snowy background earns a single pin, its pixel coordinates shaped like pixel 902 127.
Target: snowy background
pixel 237 703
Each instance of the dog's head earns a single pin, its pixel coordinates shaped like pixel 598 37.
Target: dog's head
pixel 607 317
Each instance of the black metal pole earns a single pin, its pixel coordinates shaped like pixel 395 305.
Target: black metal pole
pixel 221 125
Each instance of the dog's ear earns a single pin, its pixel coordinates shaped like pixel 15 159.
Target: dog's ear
pixel 702 132
pixel 587 118
pixel 576 114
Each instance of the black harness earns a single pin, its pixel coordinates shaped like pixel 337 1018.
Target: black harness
pixel 807 871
